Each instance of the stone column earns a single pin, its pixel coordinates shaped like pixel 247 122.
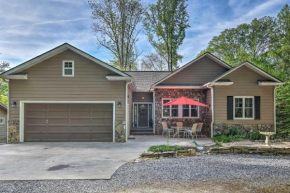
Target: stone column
pixel 13 131
pixel 120 131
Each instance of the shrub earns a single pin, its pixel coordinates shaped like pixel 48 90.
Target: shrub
pixel 219 139
pixel 255 135
pixel 164 148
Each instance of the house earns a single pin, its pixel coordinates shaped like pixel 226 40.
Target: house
pixel 66 94
pixel 3 125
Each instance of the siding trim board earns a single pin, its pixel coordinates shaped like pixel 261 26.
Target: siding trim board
pixel 22 110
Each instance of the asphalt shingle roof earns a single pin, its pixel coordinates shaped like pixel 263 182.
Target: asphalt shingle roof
pixel 144 79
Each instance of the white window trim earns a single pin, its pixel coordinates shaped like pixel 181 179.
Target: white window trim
pixel 244 118
pixel 63 68
pixel 180 110
pixel 4 121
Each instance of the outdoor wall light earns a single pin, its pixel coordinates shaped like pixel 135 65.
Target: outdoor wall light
pixel 119 104
pixel 143 98
pixel 13 104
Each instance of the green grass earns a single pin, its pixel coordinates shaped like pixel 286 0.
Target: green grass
pixel 164 148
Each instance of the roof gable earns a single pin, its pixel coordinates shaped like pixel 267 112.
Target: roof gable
pixel 252 67
pixel 207 55
pixel 56 51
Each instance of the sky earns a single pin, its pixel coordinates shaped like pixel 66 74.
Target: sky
pixel 31 27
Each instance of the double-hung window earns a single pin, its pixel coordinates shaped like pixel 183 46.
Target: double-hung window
pixel 165 109
pixel 68 68
pixel 243 107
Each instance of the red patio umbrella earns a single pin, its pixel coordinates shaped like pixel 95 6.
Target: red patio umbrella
pixel 185 101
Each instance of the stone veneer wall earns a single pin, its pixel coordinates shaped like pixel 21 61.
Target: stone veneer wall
pixel 13 131
pixel 176 93
pixel 223 129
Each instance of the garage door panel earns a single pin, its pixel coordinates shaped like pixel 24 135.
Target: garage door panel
pixel 35 121
pixel 55 121
pixel 80 121
pixel 58 106
pixel 38 128
pixel 68 122
pixel 36 113
pixel 107 114
pixel 80 136
pixel 58 114
pixel 36 106
pixel 52 129
pixel 36 137
pixel 78 114
pixel 105 120
pixel 57 136
pixel 101 128
pixel 79 129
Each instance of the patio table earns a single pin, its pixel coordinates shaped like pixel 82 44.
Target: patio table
pixel 178 130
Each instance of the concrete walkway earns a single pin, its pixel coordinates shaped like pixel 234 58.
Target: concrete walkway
pixel 74 160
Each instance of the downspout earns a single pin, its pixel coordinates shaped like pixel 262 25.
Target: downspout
pixel 212 109
pixel 275 109
pixel 127 113
pixel 8 109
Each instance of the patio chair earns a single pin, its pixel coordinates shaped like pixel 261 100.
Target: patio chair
pixel 199 128
pixel 191 132
pixel 179 124
pixel 165 129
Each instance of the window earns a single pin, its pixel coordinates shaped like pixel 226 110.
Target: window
pixel 194 111
pixel 244 107
pixel 185 111
pixel 174 110
pixel 166 109
pixel 2 120
pixel 180 111
pixel 68 68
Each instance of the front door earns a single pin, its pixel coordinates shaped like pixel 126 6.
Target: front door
pixel 142 115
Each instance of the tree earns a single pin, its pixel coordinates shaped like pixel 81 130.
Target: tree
pixel 266 43
pixel 165 24
pixel 280 45
pixel 246 42
pixel 116 28
pixel 3 85
pixel 154 62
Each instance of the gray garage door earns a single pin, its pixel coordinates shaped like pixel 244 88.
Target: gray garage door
pixel 68 122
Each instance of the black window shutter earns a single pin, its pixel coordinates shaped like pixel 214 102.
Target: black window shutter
pixel 230 107
pixel 257 107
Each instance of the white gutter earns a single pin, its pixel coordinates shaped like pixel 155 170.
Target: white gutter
pixel 16 77
pixel 260 83
pixel 220 83
pixel 176 87
pixel 118 78
pixel 127 113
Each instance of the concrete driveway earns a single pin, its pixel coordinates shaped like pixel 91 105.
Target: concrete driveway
pixel 73 160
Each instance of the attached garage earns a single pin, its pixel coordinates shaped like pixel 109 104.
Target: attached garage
pixel 68 122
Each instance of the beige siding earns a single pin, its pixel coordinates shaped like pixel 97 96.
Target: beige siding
pixel 198 73
pixel 3 127
pixel 45 83
pixel 245 84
